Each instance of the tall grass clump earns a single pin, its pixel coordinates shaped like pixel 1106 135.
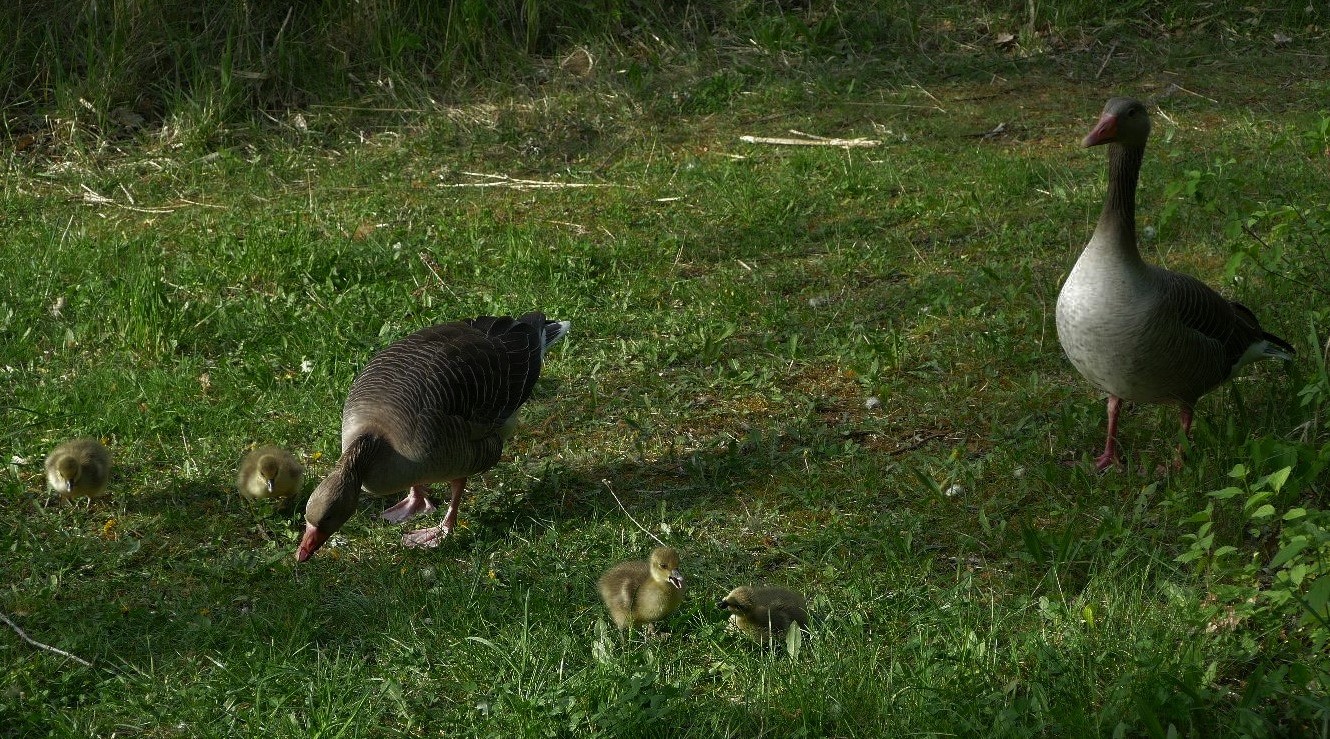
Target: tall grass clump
pixel 226 60
pixel 113 68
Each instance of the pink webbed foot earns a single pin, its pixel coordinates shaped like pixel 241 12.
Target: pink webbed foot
pixel 429 538
pixel 415 503
pixel 1110 455
pixel 1105 460
pixel 426 538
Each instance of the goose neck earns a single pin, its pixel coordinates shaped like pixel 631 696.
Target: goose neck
pixel 363 454
pixel 1118 219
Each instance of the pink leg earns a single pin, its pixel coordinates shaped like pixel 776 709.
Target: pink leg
pixel 415 503
pixel 1110 454
pixel 432 536
pixel 1184 415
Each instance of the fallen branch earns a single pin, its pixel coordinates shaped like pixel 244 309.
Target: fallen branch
pixel 502 180
pixel 94 198
pixel 810 141
pixel 918 441
pixel 22 635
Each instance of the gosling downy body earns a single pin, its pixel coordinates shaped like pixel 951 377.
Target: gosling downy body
pixel 765 614
pixel 643 591
pixel 1137 331
pixel 270 472
pixel 435 406
pixel 79 468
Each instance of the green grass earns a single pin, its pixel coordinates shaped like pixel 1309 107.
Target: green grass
pixel 734 306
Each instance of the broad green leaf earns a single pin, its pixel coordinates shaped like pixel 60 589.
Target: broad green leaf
pixel 1226 549
pixel 1256 500
pixel 1264 511
pixel 1318 596
pixel 1290 550
pixel 1275 479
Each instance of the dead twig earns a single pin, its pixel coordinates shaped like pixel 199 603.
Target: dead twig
pixel 629 515
pixel 94 198
pixel 503 180
pixel 917 442
pixel 24 636
pixel 433 267
pixel 1175 86
pixel 810 141
pixel 1112 48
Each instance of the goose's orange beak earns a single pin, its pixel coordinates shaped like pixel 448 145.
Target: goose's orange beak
pixel 1105 131
pixel 311 541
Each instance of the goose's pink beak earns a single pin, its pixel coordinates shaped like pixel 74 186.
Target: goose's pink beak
pixel 311 541
pixel 1105 131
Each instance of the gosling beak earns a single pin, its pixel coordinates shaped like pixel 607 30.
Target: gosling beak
pixel 723 605
pixel 69 487
pixel 676 579
pixel 268 482
pixel 1105 131
pixel 311 541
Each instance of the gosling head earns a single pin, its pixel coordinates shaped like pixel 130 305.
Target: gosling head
pixel 268 470
pixel 67 473
pixel 665 567
pixel 739 601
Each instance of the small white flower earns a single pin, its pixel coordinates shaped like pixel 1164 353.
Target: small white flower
pixel 873 403
pixel 1148 233
pixel 16 459
pixel 954 490
pixel 306 366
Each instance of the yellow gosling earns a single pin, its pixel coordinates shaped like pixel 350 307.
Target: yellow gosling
pixel 641 592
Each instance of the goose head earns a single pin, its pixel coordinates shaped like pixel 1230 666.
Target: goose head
pixel 1124 121
pixel 329 507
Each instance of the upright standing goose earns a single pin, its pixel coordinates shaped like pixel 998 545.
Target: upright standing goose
pixel 79 468
pixel 434 406
pixel 1140 332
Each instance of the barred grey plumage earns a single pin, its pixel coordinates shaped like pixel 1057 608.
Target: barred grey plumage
pixel 434 406
pixel 1140 332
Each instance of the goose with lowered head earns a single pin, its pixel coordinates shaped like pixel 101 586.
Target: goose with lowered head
pixel 435 406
